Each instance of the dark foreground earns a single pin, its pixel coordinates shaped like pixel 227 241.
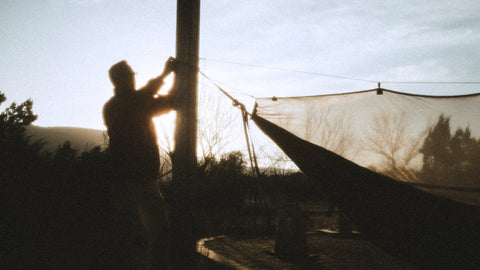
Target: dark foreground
pixel 325 252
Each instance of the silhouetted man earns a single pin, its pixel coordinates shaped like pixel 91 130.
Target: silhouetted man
pixel 128 117
pixel 133 146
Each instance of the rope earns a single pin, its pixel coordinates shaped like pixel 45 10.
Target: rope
pixel 235 102
pixel 250 147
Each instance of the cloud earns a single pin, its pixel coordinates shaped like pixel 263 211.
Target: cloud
pixel 427 70
pixel 86 2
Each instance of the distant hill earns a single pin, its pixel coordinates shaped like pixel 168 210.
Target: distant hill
pixel 82 139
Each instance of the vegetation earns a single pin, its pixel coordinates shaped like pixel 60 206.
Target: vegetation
pixel 230 200
pixel 56 203
pixel 447 159
pixel 447 156
pixel 50 201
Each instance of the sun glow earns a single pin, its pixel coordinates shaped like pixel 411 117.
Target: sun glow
pixel 165 128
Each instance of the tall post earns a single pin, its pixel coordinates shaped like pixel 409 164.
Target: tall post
pixel 187 49
pixel 184 156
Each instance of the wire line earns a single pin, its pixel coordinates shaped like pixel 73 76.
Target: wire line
pixel 420 82
pixel 290 70
pixel 340 77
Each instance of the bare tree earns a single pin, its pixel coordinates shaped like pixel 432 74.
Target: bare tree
pixel 165 130
pixel 313 122
pixel 217 121
pixel 389 137
pixel 275 161
pixel 320 126
pixel 329 130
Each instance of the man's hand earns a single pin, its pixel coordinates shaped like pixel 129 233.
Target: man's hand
pixel 169 66
pixel 154 84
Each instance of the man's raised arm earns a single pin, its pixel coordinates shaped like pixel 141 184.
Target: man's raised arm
pixel 152 87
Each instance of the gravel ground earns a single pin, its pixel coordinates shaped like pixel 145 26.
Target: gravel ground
pixel 325 252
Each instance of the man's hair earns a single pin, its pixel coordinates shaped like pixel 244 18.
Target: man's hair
pixel 119 71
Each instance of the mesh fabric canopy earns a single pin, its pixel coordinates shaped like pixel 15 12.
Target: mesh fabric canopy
pixel 431 142
pixel 403 167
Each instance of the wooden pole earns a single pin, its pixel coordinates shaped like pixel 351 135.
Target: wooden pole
pixel 184 160
pixel 187 49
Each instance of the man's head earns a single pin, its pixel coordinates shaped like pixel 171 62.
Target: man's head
pixel 122 77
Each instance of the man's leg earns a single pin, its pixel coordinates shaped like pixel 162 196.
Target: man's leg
pixel 153 213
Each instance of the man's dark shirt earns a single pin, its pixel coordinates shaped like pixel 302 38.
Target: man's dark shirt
pixel 133 140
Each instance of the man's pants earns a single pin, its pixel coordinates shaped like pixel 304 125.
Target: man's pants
pixel 142 228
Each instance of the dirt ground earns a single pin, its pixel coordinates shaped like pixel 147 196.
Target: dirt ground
pixel 325 250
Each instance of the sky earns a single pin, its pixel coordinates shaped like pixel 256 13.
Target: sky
pixel 58 52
